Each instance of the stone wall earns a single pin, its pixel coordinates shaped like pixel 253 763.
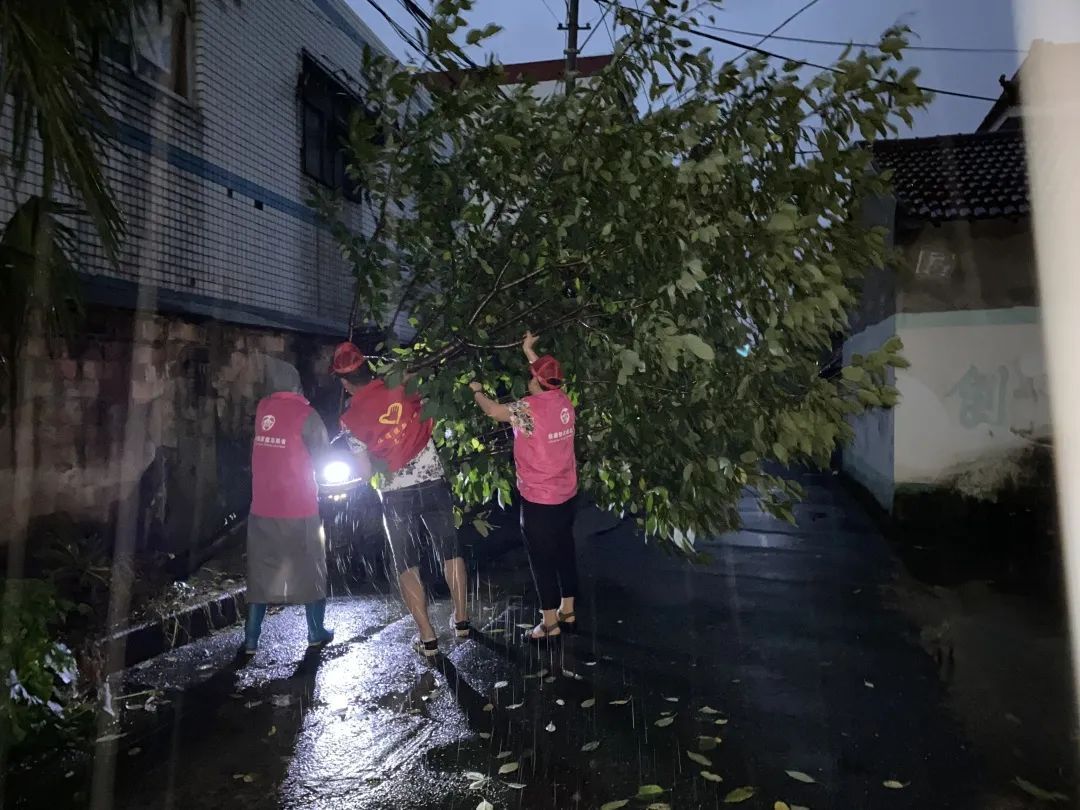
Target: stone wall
pixel 154 411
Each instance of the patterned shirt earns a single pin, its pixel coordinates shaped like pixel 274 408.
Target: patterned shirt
pixel 425 466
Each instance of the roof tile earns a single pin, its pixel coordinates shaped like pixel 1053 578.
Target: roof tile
pixel 958 177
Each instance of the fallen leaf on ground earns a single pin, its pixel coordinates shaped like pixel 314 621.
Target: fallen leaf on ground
pixel 273 731
pixel 590 746
pixel 249 778
pixel 480 785
pixel 799 776
pixel 109 738
pixel 516 785
pixel 588 704
pixel 509 767
pixel 504 754
pixel 501 684
pixel 251 704
pixel 484 735
pixel 498 631
pixel 739 795
pixel 723 721
pixel 590 663
pixel 614 805
pixel 1038 793
pixel 649 790
pixel 485 805
pixel 549 727
pixel 488 707
pixel 781 806
pixel 281 700
pixel 619 702
pixel 711 777
pixel 134 751
pixel 1012 718
pixel 672 699
pixel 524 626
pixel 699 759
pixel 892 784
pixel 667 714
pixel 708 710
pixel 560 702
pixel 663 722
pixel 549 679
pixel 659 806
pixel 473 776
pixel 707 743
pixel 515 705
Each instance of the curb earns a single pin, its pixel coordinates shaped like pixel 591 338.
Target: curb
pixel 150 639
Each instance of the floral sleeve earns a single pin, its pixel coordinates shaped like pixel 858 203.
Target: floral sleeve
pixel 521 418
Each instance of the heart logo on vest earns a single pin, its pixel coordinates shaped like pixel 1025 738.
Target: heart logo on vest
pixel 268 422
pixel 564 416
pixel 392 415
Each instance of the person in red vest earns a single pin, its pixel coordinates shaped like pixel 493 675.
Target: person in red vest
pixel 543 425
pixel 286 550
pixel 385 424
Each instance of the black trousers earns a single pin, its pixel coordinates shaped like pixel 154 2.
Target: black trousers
pixel 549 539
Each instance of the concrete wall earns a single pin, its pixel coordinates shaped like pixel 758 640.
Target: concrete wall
pixel 151 411
pixel 974 399
pixel 869 457
pixel 973 404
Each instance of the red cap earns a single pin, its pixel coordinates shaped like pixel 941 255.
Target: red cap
pixel 347 359
pixel 547 372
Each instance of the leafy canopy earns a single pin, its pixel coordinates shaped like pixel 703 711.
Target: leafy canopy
pixel 684 233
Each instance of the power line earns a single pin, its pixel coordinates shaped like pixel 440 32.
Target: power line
pixel 842 43
pixel 781 26
pixel 601 22
pixel 396 26
pixel 792 60
pixel 554 16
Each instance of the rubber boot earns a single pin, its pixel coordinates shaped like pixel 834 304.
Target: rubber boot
pixel 253 627
pixel 317 634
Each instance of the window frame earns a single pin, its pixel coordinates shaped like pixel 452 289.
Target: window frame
pixel 320 93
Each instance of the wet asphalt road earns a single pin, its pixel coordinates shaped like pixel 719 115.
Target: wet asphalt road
pixel 779 655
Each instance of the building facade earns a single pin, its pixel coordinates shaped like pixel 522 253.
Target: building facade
pixel 226 116
pixel 974 417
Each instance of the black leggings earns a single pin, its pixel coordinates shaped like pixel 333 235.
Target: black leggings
pixel 549 539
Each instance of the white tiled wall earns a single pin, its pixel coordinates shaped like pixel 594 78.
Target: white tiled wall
pixel 189 175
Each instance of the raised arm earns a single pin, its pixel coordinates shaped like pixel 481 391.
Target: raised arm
pixel 500 413
pixel 528 344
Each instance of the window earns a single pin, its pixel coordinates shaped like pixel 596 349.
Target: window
pixel 161 50
pixel 326 107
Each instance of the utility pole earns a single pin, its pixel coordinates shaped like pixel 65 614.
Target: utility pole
pixel 571 51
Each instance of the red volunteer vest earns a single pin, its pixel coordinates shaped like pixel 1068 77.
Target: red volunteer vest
pixel 282 474
pixel 387 421
pixel 545 462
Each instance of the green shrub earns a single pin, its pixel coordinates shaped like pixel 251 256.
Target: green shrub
pixel 39 672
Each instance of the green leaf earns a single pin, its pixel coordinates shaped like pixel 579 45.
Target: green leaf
pixel 616 805
pixel 799 776
pixel 853 373
pixel 699 759
pixel 699 347
pixel 647 791
pixel 709 776
pixel 1037 792
pixel 739 795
